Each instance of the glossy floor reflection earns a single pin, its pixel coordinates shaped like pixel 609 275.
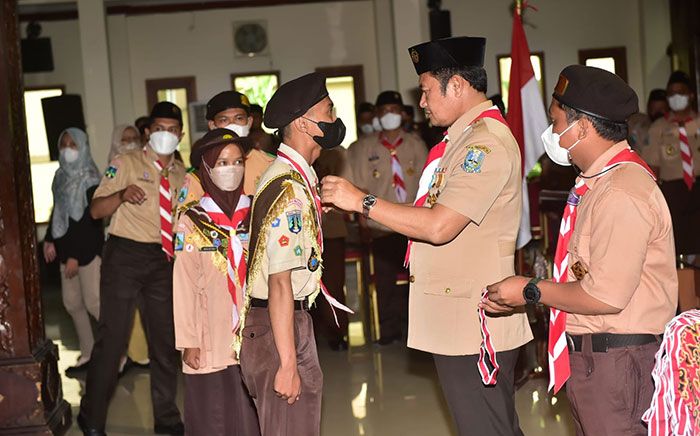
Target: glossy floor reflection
pixel 389 391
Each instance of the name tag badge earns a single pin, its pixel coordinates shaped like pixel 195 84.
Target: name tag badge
pixel 210 248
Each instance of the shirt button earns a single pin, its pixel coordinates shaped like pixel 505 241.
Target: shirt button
pixel 412 279
pixel 448 290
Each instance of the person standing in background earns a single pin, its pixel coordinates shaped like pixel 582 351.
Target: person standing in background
pixel 125 138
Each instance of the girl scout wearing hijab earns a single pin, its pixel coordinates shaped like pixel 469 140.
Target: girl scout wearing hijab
pixel 75 238
pixel 208 287
pixel 125 138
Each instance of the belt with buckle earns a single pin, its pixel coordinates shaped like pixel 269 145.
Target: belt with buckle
pixel 298 304
pixel 602 342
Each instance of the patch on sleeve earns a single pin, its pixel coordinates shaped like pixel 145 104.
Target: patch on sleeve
pixel 294 221
pixel 111 172
pixel 476 154
pixel 283 241
pixel 179 241
pixel 298 251
pixel 276 223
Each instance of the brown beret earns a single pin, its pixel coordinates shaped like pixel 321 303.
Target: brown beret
pixel 459 51
pixel 294 98
pixel 596 92
pixel 215 138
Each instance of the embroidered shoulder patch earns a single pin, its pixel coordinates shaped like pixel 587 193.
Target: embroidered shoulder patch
pixel 111 172
pixel 298 251
pixel 283 241
pixel 179 241
pixel 476 154
pixel 294 221
pixel 275 223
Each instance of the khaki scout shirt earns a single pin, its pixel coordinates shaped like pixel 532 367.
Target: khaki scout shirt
pixel 664 150
pixel 202 304
pixel 256 163
pixel 333 162
pixel 284 245
pixel 139 222
pixel 480 177
pixel 622 251
pixel 370 164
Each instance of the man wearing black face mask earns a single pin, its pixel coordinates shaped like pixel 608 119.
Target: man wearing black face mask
pixel 279 362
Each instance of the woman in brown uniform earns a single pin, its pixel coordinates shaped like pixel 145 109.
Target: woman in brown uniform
pixel 209 279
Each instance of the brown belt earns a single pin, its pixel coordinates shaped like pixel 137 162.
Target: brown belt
pixel 602 342
pixel 298 304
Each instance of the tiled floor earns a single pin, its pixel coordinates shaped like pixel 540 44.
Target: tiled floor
pixel 391 391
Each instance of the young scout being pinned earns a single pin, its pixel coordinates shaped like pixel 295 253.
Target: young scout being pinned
pixel 388 164
pixel 463 225
pixel 278 353
pixel 615 285
pixel 138 191
pixel 209 285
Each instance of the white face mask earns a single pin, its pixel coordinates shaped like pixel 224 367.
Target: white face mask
pixel 678 102
pixel 70 155
pixel 163 142
pixel 375 125
pixel 390 121
pixel 226 178
pixel 241 131
pixel 128 147
pixel 559 155
pixel 367 129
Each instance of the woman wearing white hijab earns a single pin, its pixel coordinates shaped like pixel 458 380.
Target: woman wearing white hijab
pixel 75 238
pixel 125 138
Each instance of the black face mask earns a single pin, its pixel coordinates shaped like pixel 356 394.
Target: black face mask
pixel 333 133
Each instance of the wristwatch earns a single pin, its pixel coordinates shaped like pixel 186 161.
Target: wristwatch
pixel 368 203
pixel 531 293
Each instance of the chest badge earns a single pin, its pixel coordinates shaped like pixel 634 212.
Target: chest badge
pixel 376 174
pixel 476 154
pixel 579 270
pixel 670 150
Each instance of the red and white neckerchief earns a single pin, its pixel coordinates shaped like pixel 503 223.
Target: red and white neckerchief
pixel 686 154
pixel 671 411
pixel 281 156
pixel 558 353
pixel 166 211
pixel 396 170
pixel 235 260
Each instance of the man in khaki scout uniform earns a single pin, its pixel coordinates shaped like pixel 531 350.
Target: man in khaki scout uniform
pixel 463 226
pixel 639 123
pixel 614 271
pixel 138 191
pixel 388 164
pixel 674 153
pixel 279 362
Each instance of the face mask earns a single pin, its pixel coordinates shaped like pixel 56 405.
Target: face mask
pixel 390 121
pixel 239 130
pixel 367 129
pixel 163 142
pixel 555 152
pixel 128 147
pixel 333 133
pixel 678 102
pixel 376 125
pixel 227 178
pixel 70 155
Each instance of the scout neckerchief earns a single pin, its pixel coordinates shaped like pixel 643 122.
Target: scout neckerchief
pixel 676 397
pixel 559 370
pixel 235 260
pixel 166 209
pixel 396 170
pixel 488 375
pixel 282 157
pixel 686 152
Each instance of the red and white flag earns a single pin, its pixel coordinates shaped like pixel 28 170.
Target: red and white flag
pixel 526 114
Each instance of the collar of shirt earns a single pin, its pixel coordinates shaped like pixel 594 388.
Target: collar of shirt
pixel 601 162
pixel 303 164
pixel 152 156
pixel 459 126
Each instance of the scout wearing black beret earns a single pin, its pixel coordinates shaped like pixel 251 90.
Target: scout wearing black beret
pixel 214 138
pixel 597 93
pixel 165 109
pixel 294 98
pixel 226 100
pixel 461 51
pixel 389 97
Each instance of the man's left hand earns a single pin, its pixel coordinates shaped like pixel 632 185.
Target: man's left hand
pixel 505 295
pixel 341 193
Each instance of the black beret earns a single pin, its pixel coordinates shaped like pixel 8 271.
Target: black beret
pixel 165 109
pixel 365 107
pixel 214 138
pixel 294 98
pixel 389 97
pixel 460 51
pixel 679 77
pixel 596 92
pixel 226 100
